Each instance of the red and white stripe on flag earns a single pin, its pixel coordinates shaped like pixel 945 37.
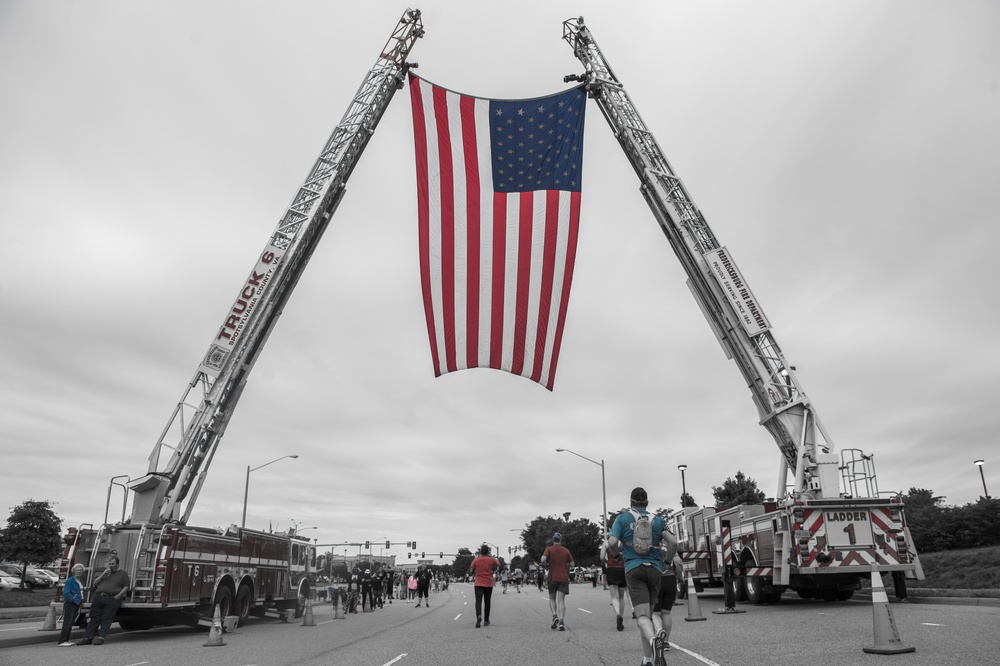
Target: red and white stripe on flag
pixel 498 196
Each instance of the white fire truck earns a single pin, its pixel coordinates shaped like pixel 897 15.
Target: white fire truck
pixel 819 537
pixel 180 573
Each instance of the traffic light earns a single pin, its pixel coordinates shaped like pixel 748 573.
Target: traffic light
pixel 409 556
pixel 423 556
pixel 441 554
pixel 368 545
pixel 414 545
pixel 408 545
pixel 387 544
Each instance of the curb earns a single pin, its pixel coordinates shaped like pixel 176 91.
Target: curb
pixel 23 613
pixel 944 601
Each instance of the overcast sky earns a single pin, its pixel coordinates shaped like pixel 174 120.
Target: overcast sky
pixel 847 154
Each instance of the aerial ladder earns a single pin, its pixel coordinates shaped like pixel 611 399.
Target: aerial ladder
pixel 828 527
pixel 180 573
pixel 180 459
pixel 725 299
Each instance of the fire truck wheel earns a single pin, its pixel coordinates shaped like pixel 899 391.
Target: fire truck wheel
pixel 772 597
pixel 224 600
pixel 739 589
pixel 844 595
pixel 755 589
pixel 244 602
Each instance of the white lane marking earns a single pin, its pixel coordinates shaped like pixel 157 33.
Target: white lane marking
pixel 704 660
pixel 456 617
pixel 931 624
pixel 394 660
pixel 585 611
pixel 139 663
pixel 327 621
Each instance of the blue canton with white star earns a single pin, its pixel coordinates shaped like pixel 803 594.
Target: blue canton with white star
pixel 537 144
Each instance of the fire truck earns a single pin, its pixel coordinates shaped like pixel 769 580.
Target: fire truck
pixel 829 526
pixel 180 574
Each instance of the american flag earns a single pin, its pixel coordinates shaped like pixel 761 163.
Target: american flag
pixel 498 196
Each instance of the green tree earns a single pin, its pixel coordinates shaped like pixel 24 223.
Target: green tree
pixel 741 490
pixel 462 562
pixel 581 536
pixel 33 535
pixel 687 500
pixel 928 520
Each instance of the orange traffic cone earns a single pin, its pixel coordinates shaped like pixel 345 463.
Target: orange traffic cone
pixel 50 620
pixel 215 634
pixel 307 616
pixel 887 640
pixel 694 606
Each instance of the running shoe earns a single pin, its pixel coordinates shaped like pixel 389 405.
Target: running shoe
pixel 555 621
pixel 562 626
pixel 621 623
pixel 479 622
pixel 659 641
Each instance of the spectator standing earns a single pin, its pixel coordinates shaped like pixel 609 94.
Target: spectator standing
pixel 643 571
pixel 411 587
pixel 388 580
pixel 540 577
pixel 72 600
pixel 353 586
pixel 482 569
pixel 109 590
pixel 560 561
pixel 366 590
pixel 424 576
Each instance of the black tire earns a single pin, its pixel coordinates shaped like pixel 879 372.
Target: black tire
pixel 224 602
pixel 304 591
pixel 844 595
pixel 828 595
pixel 754 586
pixel 772 598
pixel 806 594
pixel 739 589
pixel 244 603
pixel 135 624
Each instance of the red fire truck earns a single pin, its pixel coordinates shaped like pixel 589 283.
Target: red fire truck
pixel 179 573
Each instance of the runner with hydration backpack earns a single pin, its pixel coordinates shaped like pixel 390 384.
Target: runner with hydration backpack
pixel 636 535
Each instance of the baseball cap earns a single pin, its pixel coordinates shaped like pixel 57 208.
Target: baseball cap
pixel 639 497
pixel 557 537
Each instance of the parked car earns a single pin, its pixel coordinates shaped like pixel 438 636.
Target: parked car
pixel 51 575
pixel 32 578
pixel 9 582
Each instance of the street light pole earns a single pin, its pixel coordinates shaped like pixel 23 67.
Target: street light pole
pixel 604 490
pixel 246 488
pixel 979 464
pixel 684 490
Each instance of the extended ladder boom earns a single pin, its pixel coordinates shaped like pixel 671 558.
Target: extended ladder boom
pixel 198 422
pixel 720 290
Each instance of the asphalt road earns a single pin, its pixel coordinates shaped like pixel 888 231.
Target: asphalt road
pixel 792 633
